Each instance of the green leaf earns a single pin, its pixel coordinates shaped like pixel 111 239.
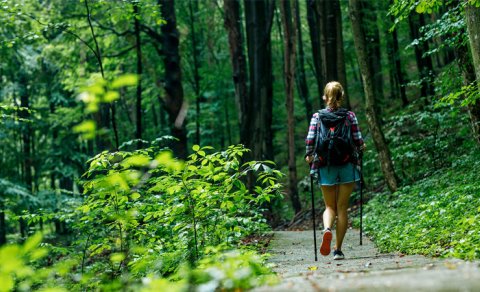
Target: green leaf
pixel 125 80
pixel 135 196
pixel 86 128
pixel 111 96
pixel 195 148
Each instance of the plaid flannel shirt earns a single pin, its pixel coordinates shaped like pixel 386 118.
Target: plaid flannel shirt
pixel 312 132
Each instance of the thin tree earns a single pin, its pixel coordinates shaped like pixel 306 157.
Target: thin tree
pixel 196 66
pixel 314 22
pixel 300 77
pixel 259 18
pixel 367 78
pixel 239 62
pixel 289 74
pixel 102 117
pixel 173 100
pixel 472 14
pixel 424 63
pixel 138 50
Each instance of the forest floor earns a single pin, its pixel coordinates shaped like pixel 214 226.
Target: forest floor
pixel 364 267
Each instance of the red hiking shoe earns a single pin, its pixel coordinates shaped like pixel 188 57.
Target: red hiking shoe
pixel 327 239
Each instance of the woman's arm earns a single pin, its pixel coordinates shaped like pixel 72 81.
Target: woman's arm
pixel 310 140
pixel 356 133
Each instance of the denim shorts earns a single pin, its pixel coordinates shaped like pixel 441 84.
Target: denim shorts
pixel 334 175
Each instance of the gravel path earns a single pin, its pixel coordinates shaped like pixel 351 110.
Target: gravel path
pixel 364 268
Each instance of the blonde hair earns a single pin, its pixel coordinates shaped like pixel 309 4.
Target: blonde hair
pixel 334 94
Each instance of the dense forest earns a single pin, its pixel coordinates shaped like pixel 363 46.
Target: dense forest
pixel 151 145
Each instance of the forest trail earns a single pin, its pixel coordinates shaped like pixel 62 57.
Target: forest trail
pixel 364 268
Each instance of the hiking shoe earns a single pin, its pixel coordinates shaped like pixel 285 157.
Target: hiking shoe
pixel 338 255
pixel 327 239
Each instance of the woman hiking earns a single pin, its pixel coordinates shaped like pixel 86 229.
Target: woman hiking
pixel 332 138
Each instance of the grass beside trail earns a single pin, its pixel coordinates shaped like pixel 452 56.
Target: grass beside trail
pixel 436 216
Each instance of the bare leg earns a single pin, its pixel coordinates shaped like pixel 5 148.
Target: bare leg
pixel 329 193
pixel 344 192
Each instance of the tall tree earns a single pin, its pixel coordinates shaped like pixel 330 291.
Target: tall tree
pixel 289 75
pixel 472 14
pixel 102 117
pixel 330 58
pixel 196 65
pixel 314 23
pixel 342 72
pixel 424 63
pixel 300 76
pixel 367 78
pixel 372 33
pixel 259 18
pixel 173 77
pixel 399 74
pixel 233 24
pixel 138 50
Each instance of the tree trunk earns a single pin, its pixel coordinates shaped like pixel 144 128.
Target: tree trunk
pixel 342 73
pixel 196 66
pixel 300 77
pixel 473 27
pixel 289 74
pixel 399 75
pixel 102 117
pixel 173 78
pixel 372 34
pixel 367 78
pixel 239 64
pixel 259 17
pixel 313 19
pixel 424 64
pixel 3 225
pixel 138 49
pixel 26 134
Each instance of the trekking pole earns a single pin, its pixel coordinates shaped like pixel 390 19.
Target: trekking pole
pixel 361 196
pixel 313 219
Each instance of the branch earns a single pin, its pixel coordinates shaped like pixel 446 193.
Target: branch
pixel 94 39
pixel 115 32
pixel 67 31
pixel 121 53
pixel 151 33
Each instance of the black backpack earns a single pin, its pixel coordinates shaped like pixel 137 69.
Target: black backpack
pixel 333 144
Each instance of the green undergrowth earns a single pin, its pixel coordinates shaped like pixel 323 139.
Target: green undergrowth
pixel 150 222
pixel 436 216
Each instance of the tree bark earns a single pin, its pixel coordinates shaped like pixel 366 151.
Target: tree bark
pixel 3 225
pixel 26 134
pixel 313 19
pixel 342 72
pixel 259 17
pixel 173 78
pixel 400 79
pixel 239 64
pixel 367 78
pixel 300 76
pixel 196 66
pixel 473 27
pixel 424 64
pixel 289 74
pixel 138 50
pixel 372 33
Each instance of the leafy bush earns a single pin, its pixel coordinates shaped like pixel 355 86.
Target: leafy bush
pixel 146 213
pixel 436 216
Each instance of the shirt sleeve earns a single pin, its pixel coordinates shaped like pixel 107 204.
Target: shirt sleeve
pixel 356 134
pixel 310 140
